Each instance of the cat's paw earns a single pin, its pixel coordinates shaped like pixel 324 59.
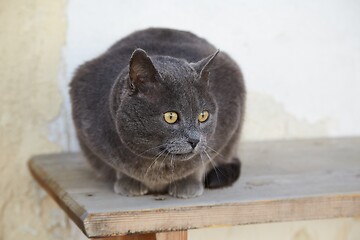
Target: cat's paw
pixel 186 188
pixel 130 187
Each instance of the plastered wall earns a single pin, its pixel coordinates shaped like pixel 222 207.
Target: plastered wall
pixel 32 34
pixel 300 61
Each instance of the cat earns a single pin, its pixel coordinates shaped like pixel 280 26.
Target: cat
pixel 160 111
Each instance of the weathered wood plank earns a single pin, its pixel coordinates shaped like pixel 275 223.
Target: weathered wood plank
pixel 281 181
pixel 180 235
pixel 148 236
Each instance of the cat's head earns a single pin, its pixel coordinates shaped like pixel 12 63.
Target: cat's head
pixel 166 108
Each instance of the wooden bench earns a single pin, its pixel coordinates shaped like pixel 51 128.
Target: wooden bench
pixel 281 181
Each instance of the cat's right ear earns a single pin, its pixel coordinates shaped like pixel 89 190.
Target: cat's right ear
pixel 142 73
pixel 202 66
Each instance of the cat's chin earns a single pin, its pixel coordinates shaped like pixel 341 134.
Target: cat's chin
pixel 182 156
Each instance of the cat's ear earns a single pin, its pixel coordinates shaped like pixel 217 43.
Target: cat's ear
pixel 142 71
pixel 202 66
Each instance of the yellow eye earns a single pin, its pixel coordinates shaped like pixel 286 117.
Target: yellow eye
pixel 203 116
pixel 170 117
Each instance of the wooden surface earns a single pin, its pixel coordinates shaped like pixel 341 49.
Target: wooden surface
pixel 281 181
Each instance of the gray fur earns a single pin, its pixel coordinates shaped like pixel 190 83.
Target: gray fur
pixel 119 99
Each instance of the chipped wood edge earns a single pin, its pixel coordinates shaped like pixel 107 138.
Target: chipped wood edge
pixel 148 236
pixel 184 218
pixel 179 235
pixel 76 212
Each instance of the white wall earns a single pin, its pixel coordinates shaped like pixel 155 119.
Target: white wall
pixel 301 61
pixel 301 58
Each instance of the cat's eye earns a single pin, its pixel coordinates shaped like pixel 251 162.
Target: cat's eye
pixel 203 116
pixel 170 117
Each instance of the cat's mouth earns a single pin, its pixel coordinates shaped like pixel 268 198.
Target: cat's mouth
pixel 182 156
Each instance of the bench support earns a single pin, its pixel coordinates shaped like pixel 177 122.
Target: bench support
pixel 180 235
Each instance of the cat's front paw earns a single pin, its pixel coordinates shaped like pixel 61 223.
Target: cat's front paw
pixel 186 188
pixel 130 187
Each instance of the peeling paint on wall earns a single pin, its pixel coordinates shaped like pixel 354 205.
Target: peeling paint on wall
pixel 32 34
pixel 266 118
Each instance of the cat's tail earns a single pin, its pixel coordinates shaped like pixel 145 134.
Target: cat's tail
pixel 223 175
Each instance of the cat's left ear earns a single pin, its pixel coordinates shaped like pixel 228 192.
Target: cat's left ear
pixel 142 72
pixel 202 66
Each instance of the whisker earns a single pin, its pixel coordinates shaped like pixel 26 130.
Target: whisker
pixel 202 161
pixel 217 153
pixel 162 162
pixel 172 169
pixel 172 163
pixel 152 148
pixel 212 165
pixel 157 157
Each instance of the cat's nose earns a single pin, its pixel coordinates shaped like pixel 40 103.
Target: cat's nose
pixel 193 142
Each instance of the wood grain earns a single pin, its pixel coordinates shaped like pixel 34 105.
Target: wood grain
pixel 148 236
pixel 180 235
pixel 281 181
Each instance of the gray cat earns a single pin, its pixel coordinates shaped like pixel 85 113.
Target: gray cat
pixel 165 119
